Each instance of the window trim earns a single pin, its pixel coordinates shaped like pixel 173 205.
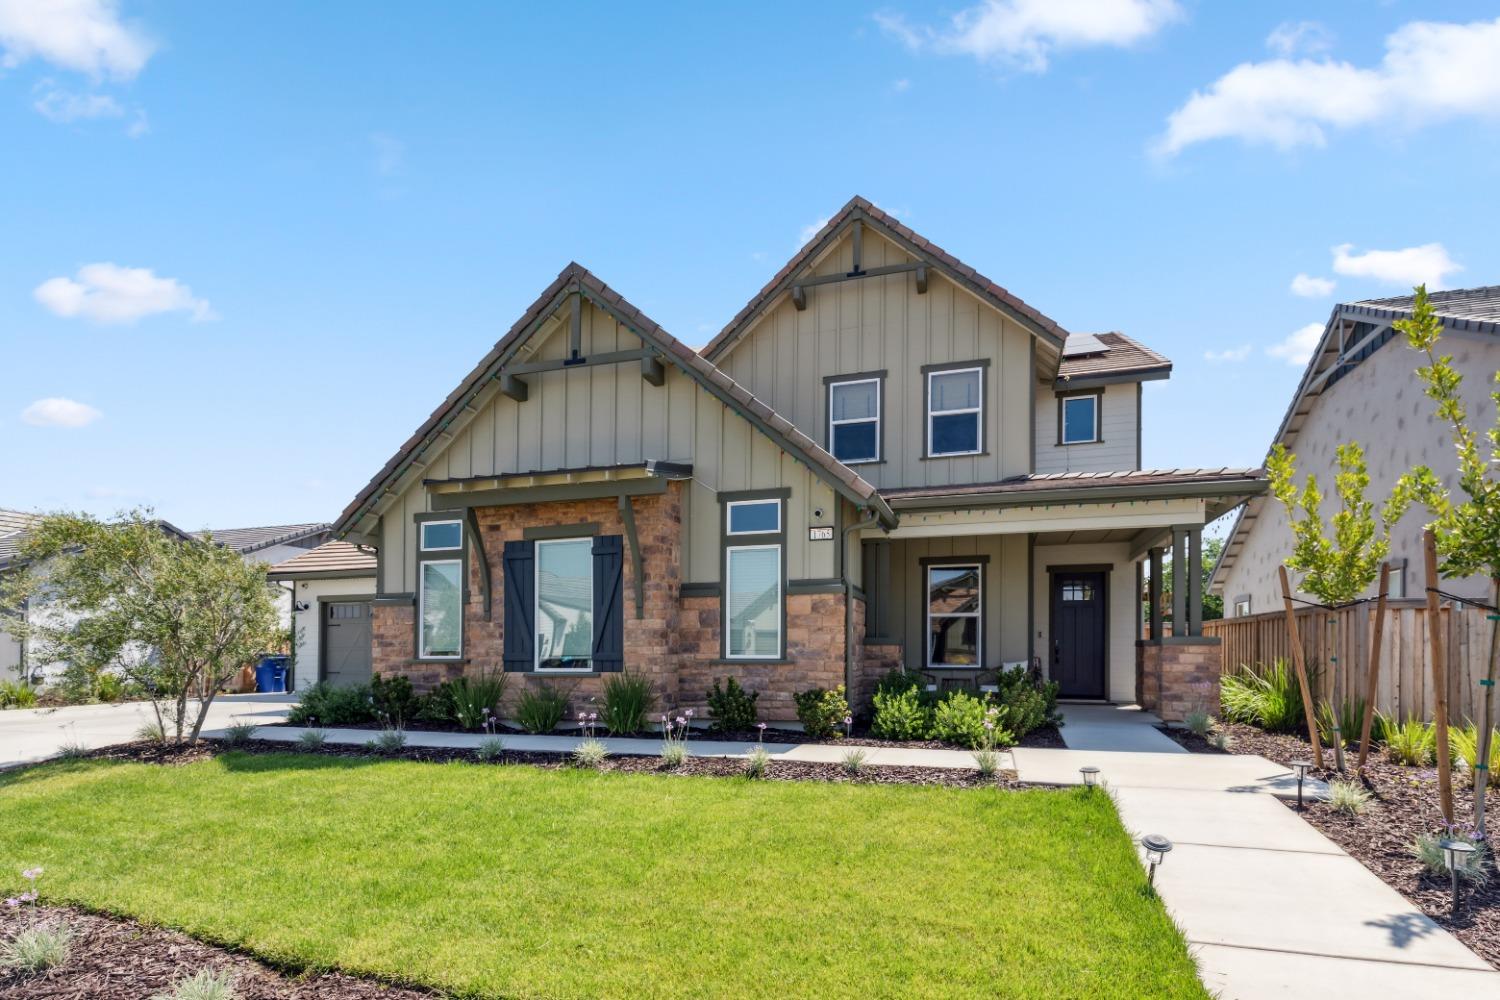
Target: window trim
pixel 1235 606
pixel 831 383
pixel 777 653
pixel 980 368
pixel 460 555
pixel 729 506
pixel 536 606
pixel 422 564
pixel 422 526
pixel 954 562
pixel 1062 405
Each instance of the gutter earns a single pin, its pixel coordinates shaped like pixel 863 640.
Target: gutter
pixel 870 519
pixel 1030 498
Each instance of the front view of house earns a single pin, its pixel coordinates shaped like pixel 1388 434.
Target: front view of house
pixel 884 461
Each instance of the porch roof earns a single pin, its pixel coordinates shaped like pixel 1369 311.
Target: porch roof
pixel 1221 489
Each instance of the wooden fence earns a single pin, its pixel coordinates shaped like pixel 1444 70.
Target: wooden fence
pixel 1405 685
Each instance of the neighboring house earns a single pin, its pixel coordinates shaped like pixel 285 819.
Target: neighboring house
pixel 13 653
pixel 271 544
pixel 331 614
pixel 1361 385
pixel 885 460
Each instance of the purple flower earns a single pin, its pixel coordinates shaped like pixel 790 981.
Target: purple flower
pixel 681 721
pixel 761 726
pixel 690 713
pixel 31 874
pixel 12 903
pixel 848 720
pixel 28 897
pixel 582 716
pixel 593 716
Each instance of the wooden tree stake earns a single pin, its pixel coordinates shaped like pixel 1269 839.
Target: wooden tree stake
pixel 1298 659
pixel 1439 678
pixel 1374 673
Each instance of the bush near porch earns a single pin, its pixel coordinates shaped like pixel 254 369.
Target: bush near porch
pixel 904 711
pixel 521 882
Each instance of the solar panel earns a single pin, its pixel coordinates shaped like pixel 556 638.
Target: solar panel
pixel 1079 344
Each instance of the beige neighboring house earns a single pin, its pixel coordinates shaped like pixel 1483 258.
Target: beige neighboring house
pixel 885 460
pixel 1361 385
pixel 331 588
pixel 13 652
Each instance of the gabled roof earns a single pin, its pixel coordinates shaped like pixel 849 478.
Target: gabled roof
pixel 1124 359
pixel 576 278
pixel 331 559
pixel 247 540
pixel 1354 332
pixel 12 521
pixel 918 246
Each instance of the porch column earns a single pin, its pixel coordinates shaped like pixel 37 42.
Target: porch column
pixel 1195 581
pixel 1179 576
pixel 1156 570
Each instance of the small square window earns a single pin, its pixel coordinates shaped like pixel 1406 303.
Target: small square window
pixel 1080 419
pixel 438 536
pixel 955 411
pixel 754 517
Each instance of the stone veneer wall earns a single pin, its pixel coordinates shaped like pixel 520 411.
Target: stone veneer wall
pixel 675 642
pixel 872 661
pixel 1175 677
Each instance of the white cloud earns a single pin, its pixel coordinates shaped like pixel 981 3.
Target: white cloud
pixel 64 106
pixel 1309 287
pixel 1299 38
pixel 1024 33
pixel 811 229
pixel 58 412
pixel 1430 72
pixel 109 293
pixel 1299 346
pixel 83 35
pixel 1229 355
pixel 1428 264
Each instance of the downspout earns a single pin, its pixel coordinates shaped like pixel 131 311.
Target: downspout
pixel 871 517
pixel 291 670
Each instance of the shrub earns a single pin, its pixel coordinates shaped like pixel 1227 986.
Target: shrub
pixel 1412 743
pixel 313 739
pixel 1348 797
pixel 14 694
pixel 756 761
pixel 628 699
pixel 673 755
pixel 151 732
pixel 110 687
pixel 1464 743
pixel 72 750
pixel 901 714
pixel 541 708
pixel 674 752
pixel 854 762
pixel 490 750
pixel 205 985
pixel 36 948
pixel 1198 722
pixel 988 762
pixel 1428 850
pixel 821 712
pixel 333 706
pixel 237 734
pixel 590 753
pixel 1351 721
pixel 393 701
pixel 476 699
pixel 959 718
pixel 1221 740
pixel 390 740
pixel 1025 703
pixel 1270 699
pixel 732 709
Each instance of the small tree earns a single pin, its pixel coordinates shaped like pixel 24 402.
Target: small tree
pixel 1467 533
pixel 177 616
pixel 1336 569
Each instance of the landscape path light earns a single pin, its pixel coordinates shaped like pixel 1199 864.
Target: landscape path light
pixel 1455 855
pixel 1301 767
pixel 1090 776
pixel 1157 848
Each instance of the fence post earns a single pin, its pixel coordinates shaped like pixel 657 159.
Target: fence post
pixel 1439 678
pixel 1300 660
pixel 1372 685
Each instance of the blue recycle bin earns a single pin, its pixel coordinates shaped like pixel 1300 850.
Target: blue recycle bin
pixel 270 674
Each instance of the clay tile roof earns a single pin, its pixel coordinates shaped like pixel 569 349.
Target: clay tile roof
pixel 327 559
pixel 13 521
pixel 247 540
pixel 1123 356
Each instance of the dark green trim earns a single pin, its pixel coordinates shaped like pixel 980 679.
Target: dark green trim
pixel 1081 568
pixel 1102 494
pixel 380 555
pixel 700 590
pixel 583 529
pixel 395 600
pixel 627 515
pixel 782 493
pixel 829 381
pixel 459 555
pixel 925 561
pixel 728 541
pixel 955 366
pixel 1031 593
pixel 477 540
pixel 1098 437
pixel 608 358
pixel 1154 590
pixel 1115 378
pixel 548 494
pixel 325 574
pixel 815 586
pixel 983 364
pixel 1031 383
pixel 1140 399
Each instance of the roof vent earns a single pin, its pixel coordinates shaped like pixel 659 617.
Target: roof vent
pixel 1079 344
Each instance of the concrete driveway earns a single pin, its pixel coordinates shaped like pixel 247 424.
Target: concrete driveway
pixel 33 734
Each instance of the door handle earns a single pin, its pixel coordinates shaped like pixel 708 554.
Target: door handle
pixel 1056 651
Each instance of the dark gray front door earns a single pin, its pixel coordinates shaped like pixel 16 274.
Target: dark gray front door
pixel 1079 634
pixel 346 642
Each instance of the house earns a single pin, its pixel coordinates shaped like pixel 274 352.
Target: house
pixel 331 587
pixel 1361 385
pixel 884 460
pixel 13 652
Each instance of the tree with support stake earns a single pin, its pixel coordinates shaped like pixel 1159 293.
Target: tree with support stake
pixel 1465 536
pixel 1336 569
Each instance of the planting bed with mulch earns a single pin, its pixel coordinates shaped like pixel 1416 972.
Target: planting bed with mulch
pixel 724 767
pixel 114 959
pixel 1405 805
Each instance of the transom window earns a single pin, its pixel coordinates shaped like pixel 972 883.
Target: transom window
pixel 754 517
pixel 441 609
pixel 1080 419
pixel 752 602
pixel 438 536
pixel 953 606
pixel 854 420
pixel 1078 592
pixel 955 411
pixel 564 604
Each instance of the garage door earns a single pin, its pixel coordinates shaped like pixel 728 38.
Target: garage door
pixel 346 642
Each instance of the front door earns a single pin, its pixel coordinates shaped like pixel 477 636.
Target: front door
pixel 346 642
pixel 1079 646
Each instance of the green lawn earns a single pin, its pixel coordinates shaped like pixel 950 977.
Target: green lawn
pixel 520 882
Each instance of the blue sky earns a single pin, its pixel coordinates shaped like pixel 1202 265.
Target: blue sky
pixel 250 247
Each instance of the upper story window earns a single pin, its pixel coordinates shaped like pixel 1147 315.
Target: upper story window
pixel 1078 419
pixel 442 536
pixel 754 517
pixel 854 419
pixel 955 411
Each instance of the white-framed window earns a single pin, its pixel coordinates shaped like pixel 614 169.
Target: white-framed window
pixel 440 609
pixel 1397 586
pixel 753 517
pixel 955 412
pixel 442 536
pixel 1079 419
pixel 564 604
pixel 1242 607
pixel 854 420
pixel 954 600
pixel 752 602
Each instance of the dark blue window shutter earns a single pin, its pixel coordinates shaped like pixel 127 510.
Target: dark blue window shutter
pixel 609 611
pixel 520 605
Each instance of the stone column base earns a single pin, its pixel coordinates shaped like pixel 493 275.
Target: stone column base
pixel 1178 675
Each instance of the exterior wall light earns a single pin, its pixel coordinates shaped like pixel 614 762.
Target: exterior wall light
pixel 1456 855
pixel 1090 776
pixel 1157 848
pixel 1301 767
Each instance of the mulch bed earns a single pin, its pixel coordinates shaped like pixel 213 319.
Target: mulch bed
pixel 114 959
pixel 1380 837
